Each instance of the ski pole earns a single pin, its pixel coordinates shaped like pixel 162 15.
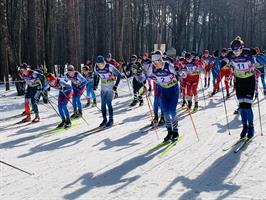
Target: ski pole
pixel 73 106
pixel 16 167
pixel 193 124
pixel 95 105
pixel 150 109
pixel 260 116
pixel 128 84
pixel 225 108
pixel 1 82
pixel 203 91
pixel 52 106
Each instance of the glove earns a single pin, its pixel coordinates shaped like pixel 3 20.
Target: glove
pixel 75 86
pixel 182 74
pixel 94 87
pixel 115 88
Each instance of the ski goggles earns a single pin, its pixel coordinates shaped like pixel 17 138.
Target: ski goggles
pixel 100 64
pixel 237 50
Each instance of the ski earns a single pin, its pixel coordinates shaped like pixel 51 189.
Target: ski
pixel 60 130
pixel 17 125
pixel 157 146
pixel 11 117
pixel 234 144
pixel 99 129
pixel 55 130
pixel 170 146
pixel 243 144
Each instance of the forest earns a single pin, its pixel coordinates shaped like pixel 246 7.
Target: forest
pixel 56 32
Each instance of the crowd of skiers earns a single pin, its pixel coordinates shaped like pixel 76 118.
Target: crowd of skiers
pixel 167 77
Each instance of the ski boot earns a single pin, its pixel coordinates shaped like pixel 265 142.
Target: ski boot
pixel 205 82
pixel 149 91
pixel 155 120
pixel 227 95
pixel 134 102
pixel 80 113
pixel 36 119
pixel 236 112
pixel 61 124
pixel 250 131
pixel 256 95
pixel 209 80
pixel 94 104
pixel 184 103
pixel 175 136
pixel 74 115
pixel 196 107
pixel 88 102
pixel 141 102
pixel 162 121
pixel 104 122
pixel 213 93
pixel 110 123
pixel 189 105
pixel 244 131
pixel 168 136
pixel 116 95
pixel 26 119
pixel 67 124
pixel 23 113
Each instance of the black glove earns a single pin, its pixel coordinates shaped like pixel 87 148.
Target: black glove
pixel 94 87
pixel 75 86
pixel 115 88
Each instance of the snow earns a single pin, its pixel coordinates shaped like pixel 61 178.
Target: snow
pixel 113 164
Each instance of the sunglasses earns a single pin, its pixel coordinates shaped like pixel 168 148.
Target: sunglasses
pixel 237 50
pixel 100 64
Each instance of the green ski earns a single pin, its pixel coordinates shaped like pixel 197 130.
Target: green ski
pixel 172 144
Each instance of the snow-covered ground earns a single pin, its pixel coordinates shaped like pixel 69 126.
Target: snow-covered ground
pixel 113 164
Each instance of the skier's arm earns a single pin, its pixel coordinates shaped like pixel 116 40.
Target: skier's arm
pixel 96 79
pixel 117 74
pixel 82 79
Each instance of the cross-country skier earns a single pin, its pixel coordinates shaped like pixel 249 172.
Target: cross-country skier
pixel 109 59
pixel 226 72
pixel 244 71
pixel 164 74
pixel 192 68
pixel 78 83
pixel 65 92
pixel 139 81
pixel 35 85
pixel 209 63
pixel 136 84
pixel 110 78
pixel 146 62
pixel 261 59
pixel 88 74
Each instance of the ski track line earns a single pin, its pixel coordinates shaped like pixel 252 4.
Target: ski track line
pixel 183 150
pixel 205 159
pixel 244 162
pixel 161 162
